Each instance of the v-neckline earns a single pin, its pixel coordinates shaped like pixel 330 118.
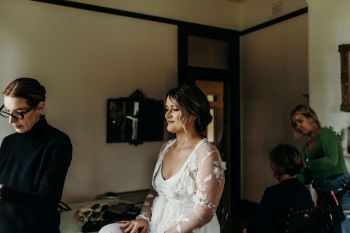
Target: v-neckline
pixel 311 147
pixel 183 165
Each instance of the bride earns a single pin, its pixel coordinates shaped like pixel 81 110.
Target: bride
pixel 188 178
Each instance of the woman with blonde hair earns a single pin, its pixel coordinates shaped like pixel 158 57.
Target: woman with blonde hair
pixel 323 154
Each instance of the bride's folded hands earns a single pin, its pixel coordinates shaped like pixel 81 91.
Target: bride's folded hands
pixel 134 226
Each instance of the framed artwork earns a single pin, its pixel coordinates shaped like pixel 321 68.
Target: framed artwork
pixel 135 119
pixel 344 50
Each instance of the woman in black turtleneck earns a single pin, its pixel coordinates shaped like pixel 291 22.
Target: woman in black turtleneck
pixel 33 162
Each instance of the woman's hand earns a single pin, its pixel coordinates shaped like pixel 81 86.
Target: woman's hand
pixel 134 226
pixel 244 230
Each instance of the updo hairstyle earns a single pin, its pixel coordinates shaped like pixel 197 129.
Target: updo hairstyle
pixel 27 88
pixel 192 101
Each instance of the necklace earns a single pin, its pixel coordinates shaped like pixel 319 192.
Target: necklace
pixel 313 134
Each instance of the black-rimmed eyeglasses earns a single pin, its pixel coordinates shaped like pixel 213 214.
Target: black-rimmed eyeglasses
pixel 17 115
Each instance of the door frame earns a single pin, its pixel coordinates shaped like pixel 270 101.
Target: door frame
pixel 230 78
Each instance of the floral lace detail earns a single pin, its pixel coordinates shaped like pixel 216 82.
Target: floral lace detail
pixel 206 176
pixel 142 216
pixel 218 170
pixel 147 206
pixel 146 212
pixel 178 228
pixel 191 200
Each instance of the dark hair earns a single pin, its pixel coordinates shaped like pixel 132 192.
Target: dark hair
pixel 287 160
pixel 26 88
pixel 307 112
pixel 192 101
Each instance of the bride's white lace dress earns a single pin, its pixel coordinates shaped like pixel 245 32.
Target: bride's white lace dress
pixel 187 201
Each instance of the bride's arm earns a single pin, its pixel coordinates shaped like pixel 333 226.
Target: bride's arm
pixel 210 182
pixel 141 223
pixel 146 212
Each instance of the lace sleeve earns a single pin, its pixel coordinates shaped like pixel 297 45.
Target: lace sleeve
pixel 210 182
pixel 146 212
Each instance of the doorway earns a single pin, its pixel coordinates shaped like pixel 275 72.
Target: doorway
pixel 215 93
pixel 209 58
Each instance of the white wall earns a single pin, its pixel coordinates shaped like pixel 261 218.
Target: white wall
pixel 329 27
pixel 217 13
pixel 254 12
pixel 83 58
pixel 274 76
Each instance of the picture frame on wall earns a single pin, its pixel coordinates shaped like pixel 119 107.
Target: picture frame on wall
pixel 135 119
pixel 344 50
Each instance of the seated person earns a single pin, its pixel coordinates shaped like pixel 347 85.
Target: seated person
pixel 271 216
pixel 188 179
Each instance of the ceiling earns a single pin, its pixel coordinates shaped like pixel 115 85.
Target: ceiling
pixel 237 1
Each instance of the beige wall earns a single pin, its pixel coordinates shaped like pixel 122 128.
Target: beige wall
pixel 222 13
pixel 274 76
pixel 254 12
pixel 328 23
pixel 83 58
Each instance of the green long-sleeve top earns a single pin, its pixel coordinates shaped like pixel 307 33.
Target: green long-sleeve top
pixel 325 158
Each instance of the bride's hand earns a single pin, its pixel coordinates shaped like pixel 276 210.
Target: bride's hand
pixel 134 226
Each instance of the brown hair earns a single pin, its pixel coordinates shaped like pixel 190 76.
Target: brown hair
pixel 307 112
pixel 192 101
pixel 287 160
pixel 26 88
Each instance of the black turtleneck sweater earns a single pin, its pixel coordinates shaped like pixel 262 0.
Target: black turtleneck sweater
pixel 33 168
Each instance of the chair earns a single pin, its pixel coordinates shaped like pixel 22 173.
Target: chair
pixel 223 210
pixel 324 218
pixel 302 221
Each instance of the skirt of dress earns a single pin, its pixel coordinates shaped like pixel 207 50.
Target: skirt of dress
pixel 168 213
pixel 111 228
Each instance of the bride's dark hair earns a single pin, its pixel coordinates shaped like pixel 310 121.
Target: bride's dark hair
pixel 192 101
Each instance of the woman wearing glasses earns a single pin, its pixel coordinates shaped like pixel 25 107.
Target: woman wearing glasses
pixel 33 162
